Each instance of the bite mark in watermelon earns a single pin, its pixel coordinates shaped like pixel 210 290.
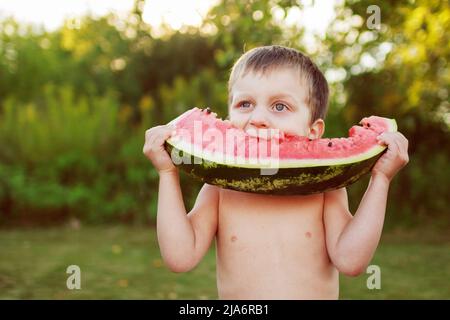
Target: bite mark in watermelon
pixel 218 153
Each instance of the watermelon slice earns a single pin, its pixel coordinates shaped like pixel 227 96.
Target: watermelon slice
pixel 269 161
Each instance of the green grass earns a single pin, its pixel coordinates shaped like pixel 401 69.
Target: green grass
pixel 124 263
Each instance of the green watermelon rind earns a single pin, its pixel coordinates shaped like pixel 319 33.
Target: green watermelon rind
pixel 287 181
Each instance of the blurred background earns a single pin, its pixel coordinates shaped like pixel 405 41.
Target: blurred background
pixel 81 81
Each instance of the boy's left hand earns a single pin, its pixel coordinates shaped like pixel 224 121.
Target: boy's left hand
pixel 396 156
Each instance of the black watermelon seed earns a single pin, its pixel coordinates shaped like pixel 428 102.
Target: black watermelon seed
pixel 368 124
pixel 309 139
pixel 208 110
pixel 330 144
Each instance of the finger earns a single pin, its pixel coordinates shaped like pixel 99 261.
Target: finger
pixel 399 148
pixel 404 143
pixel 165 131
pixel 393 149
pixel 170 132
pixel 384 139
pixel 380 140
pixel 389 140
pixel 148 134
pixel 401 142
pixel 402 147
pixel 156 131
pixel 158 140
pixel 170 129
pixel 151 142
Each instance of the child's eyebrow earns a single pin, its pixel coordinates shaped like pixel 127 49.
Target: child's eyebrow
pixel 285 96
pixel 245 95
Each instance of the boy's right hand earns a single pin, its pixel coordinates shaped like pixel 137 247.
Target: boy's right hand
pixel 154 148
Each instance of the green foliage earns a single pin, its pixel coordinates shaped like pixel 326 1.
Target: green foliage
pixel 75 102
pixel 409 82
pixel 67 155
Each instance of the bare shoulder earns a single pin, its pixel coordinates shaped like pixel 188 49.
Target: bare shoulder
pixel 336 197
pixel 208 192
pixel 207 198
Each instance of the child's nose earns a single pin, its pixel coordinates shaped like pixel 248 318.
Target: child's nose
pixel 258 119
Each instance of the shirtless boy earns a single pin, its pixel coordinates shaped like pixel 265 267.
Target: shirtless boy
pixel 274 247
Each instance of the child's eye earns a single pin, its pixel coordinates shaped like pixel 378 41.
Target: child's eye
pixel 280 107
pixel 245 105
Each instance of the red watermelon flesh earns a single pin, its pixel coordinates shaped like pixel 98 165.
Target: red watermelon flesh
pixel 221 137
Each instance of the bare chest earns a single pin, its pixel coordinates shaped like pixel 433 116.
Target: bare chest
pixel 253 219
pixel 272 247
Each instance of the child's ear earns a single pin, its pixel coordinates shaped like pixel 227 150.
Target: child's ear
pixel 317 129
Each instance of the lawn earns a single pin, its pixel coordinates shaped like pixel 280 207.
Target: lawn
pixel 120 262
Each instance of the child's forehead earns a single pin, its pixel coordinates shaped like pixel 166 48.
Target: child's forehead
pixel 270 71
pixel 276 80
